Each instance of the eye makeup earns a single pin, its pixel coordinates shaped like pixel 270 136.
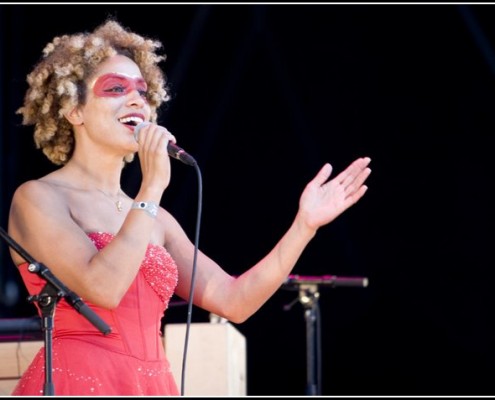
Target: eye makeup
pixel 115 85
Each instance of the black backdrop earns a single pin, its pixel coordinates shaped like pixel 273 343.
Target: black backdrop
pixel 263 96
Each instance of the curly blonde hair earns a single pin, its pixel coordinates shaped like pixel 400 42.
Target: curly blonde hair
pixel 58 82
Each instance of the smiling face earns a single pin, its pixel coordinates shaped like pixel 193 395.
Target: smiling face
pixel 116 99
pixel 52 97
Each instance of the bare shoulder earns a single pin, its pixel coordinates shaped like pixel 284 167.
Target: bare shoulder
pixel 38 199
pixel 37 206
pixel 39 191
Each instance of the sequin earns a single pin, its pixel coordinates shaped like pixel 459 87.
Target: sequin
pixel 159 268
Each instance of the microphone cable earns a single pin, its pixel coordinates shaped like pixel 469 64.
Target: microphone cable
pixel 193 275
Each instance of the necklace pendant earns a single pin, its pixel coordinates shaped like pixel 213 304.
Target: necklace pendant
pixel 118 203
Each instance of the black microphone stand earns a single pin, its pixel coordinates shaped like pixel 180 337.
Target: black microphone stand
pixel 308 295
pixel 47 300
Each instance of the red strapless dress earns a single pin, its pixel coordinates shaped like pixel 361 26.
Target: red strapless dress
pixel 130 360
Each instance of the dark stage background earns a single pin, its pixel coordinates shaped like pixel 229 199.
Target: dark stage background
pixel 263 95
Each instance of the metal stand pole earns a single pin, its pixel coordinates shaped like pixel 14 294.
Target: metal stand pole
pixel 308 287
pixel 308 297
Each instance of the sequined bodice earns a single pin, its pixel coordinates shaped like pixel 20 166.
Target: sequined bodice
pixel 136 322
pixel 158 267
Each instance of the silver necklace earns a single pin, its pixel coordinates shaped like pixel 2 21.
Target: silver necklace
pixel 117 203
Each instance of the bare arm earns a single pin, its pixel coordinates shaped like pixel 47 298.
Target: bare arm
pixel 236 299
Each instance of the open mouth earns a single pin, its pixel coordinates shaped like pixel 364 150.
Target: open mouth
pixel 132 121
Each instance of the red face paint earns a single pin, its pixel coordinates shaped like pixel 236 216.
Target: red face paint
pixel 116 85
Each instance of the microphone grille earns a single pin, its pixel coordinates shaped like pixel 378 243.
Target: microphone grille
pixel 138 127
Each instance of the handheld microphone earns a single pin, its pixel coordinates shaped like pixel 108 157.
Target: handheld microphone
pixel 173 150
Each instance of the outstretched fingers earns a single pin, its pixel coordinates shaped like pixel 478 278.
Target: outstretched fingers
pixel 351 180
pixel 323 200
pixel 355 176
pixel 352 171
